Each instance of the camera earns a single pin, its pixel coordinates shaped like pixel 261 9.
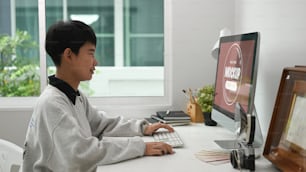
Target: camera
pixel 243 158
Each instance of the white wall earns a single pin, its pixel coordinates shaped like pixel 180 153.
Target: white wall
pixel 196 25
pixel 283 39
pixel 13 125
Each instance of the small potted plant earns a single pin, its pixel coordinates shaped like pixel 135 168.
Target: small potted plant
pixel 205 99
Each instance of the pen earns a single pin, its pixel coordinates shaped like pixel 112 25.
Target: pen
pixel 167 112
pixel 191 97
pixel 185 93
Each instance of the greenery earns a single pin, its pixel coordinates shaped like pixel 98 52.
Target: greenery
pixel 205 98
pixel 19 75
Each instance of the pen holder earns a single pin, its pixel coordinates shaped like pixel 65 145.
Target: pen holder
pixel 195 112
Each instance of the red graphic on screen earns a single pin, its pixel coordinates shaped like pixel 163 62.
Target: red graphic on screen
pixel 233 82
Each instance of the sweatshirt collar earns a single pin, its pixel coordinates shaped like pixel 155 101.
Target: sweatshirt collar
pixel 64 87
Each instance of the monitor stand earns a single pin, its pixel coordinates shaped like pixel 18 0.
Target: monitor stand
pixel 228 144
pixel 242 122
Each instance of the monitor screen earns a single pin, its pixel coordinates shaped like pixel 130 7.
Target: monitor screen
pixel 235 77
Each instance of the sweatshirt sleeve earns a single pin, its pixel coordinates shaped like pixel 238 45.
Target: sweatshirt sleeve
pixel 74 147
pixel 103 125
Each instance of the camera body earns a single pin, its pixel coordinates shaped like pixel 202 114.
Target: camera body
pixel 243 158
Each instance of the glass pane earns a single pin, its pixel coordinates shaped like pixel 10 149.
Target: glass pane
pixel 105 51
pixel 144 23
pixel 19 54
pixel 146 16
pixel 146 52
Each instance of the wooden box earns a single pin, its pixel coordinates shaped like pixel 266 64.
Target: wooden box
pixel 195 112
pixel 286 140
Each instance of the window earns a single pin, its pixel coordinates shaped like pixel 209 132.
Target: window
pixel 131 46
pixel 19 59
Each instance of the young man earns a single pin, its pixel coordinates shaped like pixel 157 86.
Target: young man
pixel 65 132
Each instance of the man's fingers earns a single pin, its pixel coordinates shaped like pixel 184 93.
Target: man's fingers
pixel 159 148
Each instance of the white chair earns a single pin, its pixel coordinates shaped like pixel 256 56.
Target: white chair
pixel 10 156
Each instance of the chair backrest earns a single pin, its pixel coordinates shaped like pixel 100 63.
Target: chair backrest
pixel 10 156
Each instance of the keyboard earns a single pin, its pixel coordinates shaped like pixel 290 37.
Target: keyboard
pixel 171 138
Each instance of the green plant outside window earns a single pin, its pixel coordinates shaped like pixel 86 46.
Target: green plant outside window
pixel 19 75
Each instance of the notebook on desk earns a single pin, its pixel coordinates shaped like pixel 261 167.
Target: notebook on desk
pixel 155 118
pixel 173 115
pixel 174 118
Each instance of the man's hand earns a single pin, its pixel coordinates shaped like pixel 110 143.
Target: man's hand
pixel 150 129
pixel 157 149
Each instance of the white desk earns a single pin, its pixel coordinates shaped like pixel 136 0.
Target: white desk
pixel 196 137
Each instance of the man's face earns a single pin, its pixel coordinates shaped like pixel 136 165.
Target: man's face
pixel 85 62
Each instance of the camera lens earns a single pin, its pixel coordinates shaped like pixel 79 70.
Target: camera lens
pixel 240 161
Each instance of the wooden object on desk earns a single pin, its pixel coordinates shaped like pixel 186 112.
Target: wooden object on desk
pixel 195 112
pixel 194 109
pixel 286 144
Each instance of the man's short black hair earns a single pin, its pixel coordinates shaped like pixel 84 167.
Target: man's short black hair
pixel 67 34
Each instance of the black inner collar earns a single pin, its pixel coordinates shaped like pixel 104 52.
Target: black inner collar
pixel 64 87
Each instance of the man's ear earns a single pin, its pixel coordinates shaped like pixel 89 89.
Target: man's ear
pixel 67 53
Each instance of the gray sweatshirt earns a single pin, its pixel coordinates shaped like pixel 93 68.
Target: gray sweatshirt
pixel 67 137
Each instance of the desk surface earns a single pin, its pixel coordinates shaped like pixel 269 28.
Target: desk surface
pixel 196 137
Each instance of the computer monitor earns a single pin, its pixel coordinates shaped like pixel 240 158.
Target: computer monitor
pixel 236 81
